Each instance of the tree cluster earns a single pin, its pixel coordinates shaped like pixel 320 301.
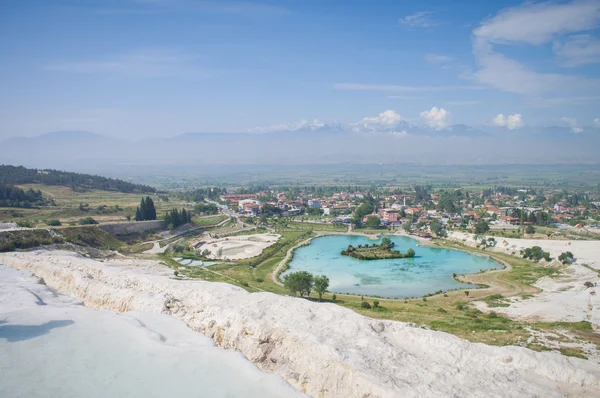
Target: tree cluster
pixel 535 253
pixel 176 218
pixel 11 196
pixel 146 210
pixel 199 194
pixel 206 208
pixel 376 252
pixel 22 175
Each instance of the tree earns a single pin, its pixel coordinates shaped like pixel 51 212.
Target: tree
pixel 386 242
pixel 409 253
pixel 407 227
pixel 146 210
pixel 436 228
pixel 299 282
pixel 481 227
pixel 87 221
pixel 566 257
pixel 321 283
pixel 530 229
pixel 373 221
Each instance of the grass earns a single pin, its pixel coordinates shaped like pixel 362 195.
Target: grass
pixel 450 312
pixel 91 236
pixel 496 300
pixel 573 352
pixel 67 203
pixel 209 221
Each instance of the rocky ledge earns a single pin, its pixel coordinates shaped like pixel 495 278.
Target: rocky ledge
pixel 321 349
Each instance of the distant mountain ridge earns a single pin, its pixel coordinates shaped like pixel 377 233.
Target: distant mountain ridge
pixel 398 141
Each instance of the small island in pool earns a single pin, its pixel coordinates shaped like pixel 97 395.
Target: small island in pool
pixel 385 250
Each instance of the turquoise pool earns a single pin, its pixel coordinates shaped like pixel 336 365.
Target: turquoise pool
pixel 430 271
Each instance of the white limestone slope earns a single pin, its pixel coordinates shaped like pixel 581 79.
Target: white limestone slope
pixel 322 349
pixel 52 346
pixel 562 298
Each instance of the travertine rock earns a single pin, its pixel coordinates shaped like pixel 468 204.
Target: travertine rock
pixel 321 349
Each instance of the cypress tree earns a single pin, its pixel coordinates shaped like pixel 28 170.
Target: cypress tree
pixel 151 210
pixel 138 214
pixel 143 210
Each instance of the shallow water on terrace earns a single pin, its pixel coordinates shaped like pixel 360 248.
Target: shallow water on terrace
pixel 431 270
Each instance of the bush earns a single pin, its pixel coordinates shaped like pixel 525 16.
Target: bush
pixel 443 311
pixel 334 297
pixel 24 224
pixel 87 221
pixel 365 305
pixel 53 223
pixel 530 229
pixel 375 304
pixel 566 257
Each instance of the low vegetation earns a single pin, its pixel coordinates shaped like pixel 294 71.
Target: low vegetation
pixel 377 252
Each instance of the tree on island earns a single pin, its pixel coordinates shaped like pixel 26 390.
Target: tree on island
pixel 146 210
pixel 387 242
pixel 321 283
pixel 299 282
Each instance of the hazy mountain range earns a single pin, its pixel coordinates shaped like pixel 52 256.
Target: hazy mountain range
pixel 313 143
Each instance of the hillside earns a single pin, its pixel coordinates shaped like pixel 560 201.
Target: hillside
pixel 13 175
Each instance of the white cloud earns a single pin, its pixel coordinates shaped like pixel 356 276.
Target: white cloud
pixel 538 23
pixel 535 24
pixel 421 19
pixel 290 126
pixel 397 88
pixel 572 123
pixel 436 118
pixel 511 122
pixel 578 50
pixel 387 118
pixel 437 58
pixel 399 134
pixel 597 122
pixel 138 64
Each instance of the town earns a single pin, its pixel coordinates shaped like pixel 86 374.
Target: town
pixel 426 211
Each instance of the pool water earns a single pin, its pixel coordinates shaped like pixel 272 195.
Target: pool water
pixel 430 271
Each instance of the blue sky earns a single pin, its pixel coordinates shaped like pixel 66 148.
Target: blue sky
pixel 152 68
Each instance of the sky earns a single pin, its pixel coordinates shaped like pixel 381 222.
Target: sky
pixel 157 68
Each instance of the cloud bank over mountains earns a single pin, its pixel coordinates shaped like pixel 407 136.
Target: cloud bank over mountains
pixel 384 138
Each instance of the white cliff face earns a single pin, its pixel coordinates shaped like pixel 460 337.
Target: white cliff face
pixel 52 346
pixel 322 349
